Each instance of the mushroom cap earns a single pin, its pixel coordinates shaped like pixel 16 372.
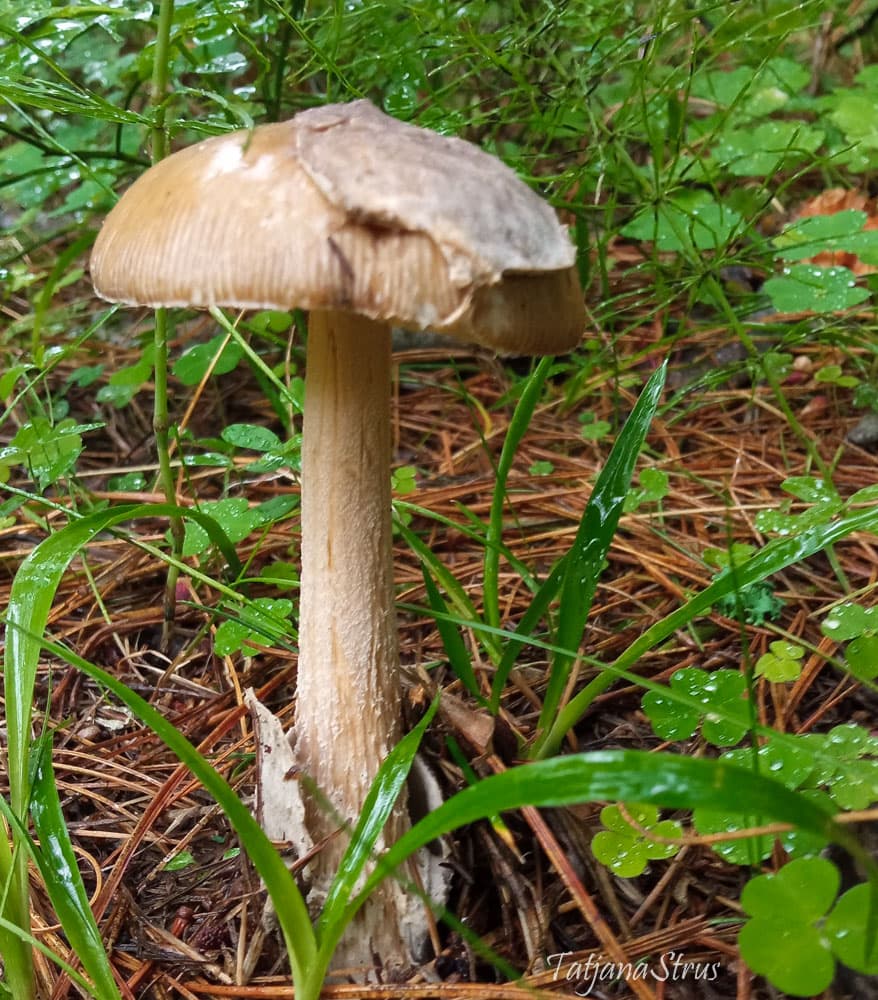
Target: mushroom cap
pixel 345 208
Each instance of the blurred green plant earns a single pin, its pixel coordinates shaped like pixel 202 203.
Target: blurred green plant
pixel 633 837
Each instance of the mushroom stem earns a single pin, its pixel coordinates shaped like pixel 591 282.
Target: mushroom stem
pixel 348 710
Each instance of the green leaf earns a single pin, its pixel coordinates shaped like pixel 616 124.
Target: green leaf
pixel 585 560
pixel 757 603
pixel 781 941
pixel 782 663
pixel 283 575
pixel 455 648
pixel 850 936
pixel 627 849
pixel 270 321
pixel 594 430
pixel 263 620
pixel 861 654
pixel 292 912
pixel 254 437
pixel 541 468
pixel 124 383
pixel 856 114
pixel 808 288
pixel 403 480
pixel 179 862
pixel 845 761
pixel 726 713
pixel 774 557
pixel 736 553
pixel 623 775
pixel 782 760
pixel 376 810
pixel 687 221
pixel 49 452
pixel 842 231
pixel 653 488
pixel 824 502
pixel 738 850
pixel 801 891
pixel 792 956
pixel 753 92
pixel 762 151
pixel 237 518
pixel 849 621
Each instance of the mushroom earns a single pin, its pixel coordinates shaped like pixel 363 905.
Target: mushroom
pixel 368 223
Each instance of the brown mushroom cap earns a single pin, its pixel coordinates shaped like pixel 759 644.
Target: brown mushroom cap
pixel 345 208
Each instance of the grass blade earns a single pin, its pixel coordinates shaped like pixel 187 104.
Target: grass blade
pixel 290 907
pixel 376 811
pixel 584 561
pixel 624 775
pixel 31 596
pixel 446 579
pixel 536 609
pixel 58 867
pixel 455 648
pixel 514 433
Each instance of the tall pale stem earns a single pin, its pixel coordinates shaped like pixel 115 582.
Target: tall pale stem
pixel 348 702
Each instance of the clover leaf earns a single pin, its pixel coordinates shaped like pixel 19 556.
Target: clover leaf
pixel 862 657
pixel 790 763
pixel 849 620
pixel 782 662
pixel 847 928
pixel 846 761
pixel 781 940
pixel 859 625
pixel 823 498
pixel 626 849
pixel 653 487
pixel 739 850
pixel 724 710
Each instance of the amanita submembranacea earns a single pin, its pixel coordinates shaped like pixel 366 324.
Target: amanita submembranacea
pixel 367 223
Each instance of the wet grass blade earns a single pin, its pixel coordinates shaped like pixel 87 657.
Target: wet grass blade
pixel 585 560
pixel 30 601
pixel 379 803
pixel 60 873
pixel 517 426
pixel 664 779
pixel 14 915
pixel 449 583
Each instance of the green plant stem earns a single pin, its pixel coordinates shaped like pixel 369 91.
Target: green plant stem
pixel 160 74
pixel 160 406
